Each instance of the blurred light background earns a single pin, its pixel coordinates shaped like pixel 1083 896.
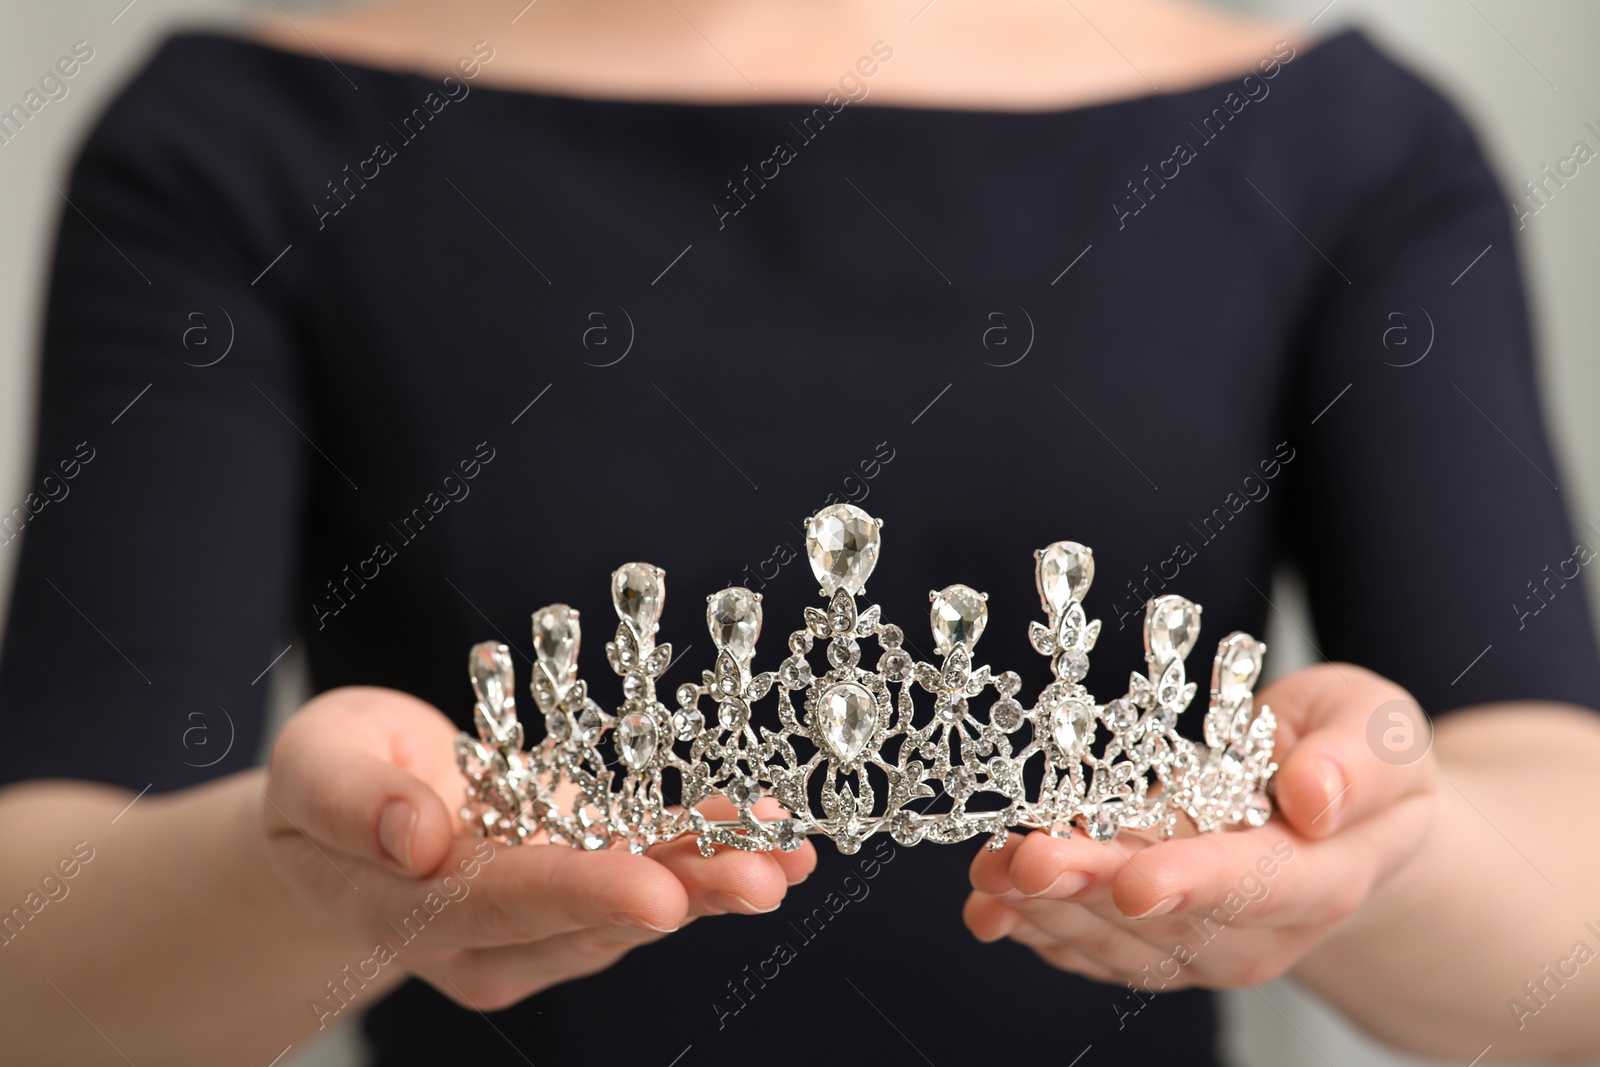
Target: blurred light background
pixel 1524 73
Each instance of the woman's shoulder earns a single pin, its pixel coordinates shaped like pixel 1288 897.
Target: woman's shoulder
pixel 1343 120
pixel 212 95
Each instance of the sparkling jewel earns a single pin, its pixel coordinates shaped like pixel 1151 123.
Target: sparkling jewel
pixel 688 723
pixel 906 828
pixel 800 642
pixel 1121 714
pixel 790 834
pixel 1072 665
pixel 557 725
pixel 950 707
pixel 1238 664
pixel 1063 574
pixel 1258 810
pixel 490 668
pixel 633 685
pixel 844 652
pixel 894 665
pixel 688 694
pixel 961 783
pixel 734 618
pixel 1103 823
pixel 589 722
pixel 555 640
pixel 1172 625
pixel 636 739
pixel 847 717
pixel 1071 726
pixel 1007 714
pixel 868 621
pixel 744 791
pixel 958 617
pixel 842 544
pixel 732 714
pixel 795 673
pixel 1002 773
pixel 637 590
pixel 841 613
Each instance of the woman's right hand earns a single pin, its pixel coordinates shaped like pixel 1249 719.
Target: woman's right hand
pixel 359 813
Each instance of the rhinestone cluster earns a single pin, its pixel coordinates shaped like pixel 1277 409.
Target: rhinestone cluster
pixel 855 752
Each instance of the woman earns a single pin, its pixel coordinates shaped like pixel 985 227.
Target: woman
pixel 382 329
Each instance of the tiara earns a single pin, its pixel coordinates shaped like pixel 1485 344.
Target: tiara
pixel 855 751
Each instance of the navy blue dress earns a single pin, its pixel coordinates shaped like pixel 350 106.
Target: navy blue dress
pixel 376 364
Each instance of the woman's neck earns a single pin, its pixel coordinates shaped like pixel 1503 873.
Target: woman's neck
pixel 1000 54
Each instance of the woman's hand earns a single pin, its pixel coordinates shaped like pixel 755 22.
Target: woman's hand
pixel 359 813
pixel 1147 913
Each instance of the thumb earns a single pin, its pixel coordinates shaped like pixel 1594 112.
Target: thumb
pixel 362 771
pixel 1344 762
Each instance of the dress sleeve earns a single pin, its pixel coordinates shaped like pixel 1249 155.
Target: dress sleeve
pixel 159 542
pixel 1431 518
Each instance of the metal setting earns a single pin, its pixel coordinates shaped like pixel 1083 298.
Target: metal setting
pixel 854 752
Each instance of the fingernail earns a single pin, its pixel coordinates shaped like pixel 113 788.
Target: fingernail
pixel 730 903
pixel 1333 790
pixel 1069 883
pixel 1161 907
pixel 624 919
pixel 395 826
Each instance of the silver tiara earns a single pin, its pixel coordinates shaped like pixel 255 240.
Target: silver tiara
pixel 855 751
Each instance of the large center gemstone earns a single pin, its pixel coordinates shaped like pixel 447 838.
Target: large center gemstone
pixel 842 544
pixel 1064 572
pixel 847 717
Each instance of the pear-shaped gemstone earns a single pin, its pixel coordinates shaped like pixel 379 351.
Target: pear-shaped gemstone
pixel 555 641
pixel 636 739
pixel 847 717
pixel 1072 726
pixel 1171 626
pixel 489 666
pixel 734 618
pixel 1238 664
pixel 958 617
pixel 637 591
pixel 1063 574
pixel 842 544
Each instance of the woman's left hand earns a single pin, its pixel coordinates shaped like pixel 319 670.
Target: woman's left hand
pixel 1148 913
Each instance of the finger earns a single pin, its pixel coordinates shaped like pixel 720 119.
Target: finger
pixel 361 771
pixel 988 917
pixel 1359 746
pixel 729 882
pixel 1063 956
pixel 491 979
pixel 797 865
pixel 1072 868
pixel 991 870
pixel 1270 876
pixel 523 893
pixel 1058 927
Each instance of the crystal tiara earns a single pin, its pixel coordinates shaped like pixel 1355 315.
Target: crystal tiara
pixel 854 751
